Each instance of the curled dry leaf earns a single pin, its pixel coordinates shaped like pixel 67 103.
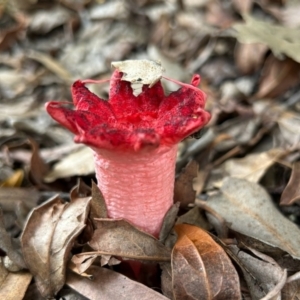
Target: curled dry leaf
pixel 120 238
pixel 183 190
pixel 200 267
pixel 109 285
pixel 81 262
pixel 109 260
pixel 277 77
pixel 13 285
pixel 98 206
pixel 247 208
pixel 48 238
pixel 38 167
pixel 169 221
pixel 253 166
pixel 291 193
pixel 261 273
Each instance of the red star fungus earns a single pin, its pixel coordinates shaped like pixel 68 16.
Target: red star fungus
pixel 135 140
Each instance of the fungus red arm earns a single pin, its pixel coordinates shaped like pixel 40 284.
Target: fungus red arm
pixel 134 139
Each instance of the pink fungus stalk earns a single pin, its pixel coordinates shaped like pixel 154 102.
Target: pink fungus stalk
pixel 135 140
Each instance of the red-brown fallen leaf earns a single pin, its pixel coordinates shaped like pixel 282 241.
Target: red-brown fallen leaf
pixel 48 238
pixel 291 193
pixel 13 285
pixel 120 238
pixel 200 267
pixel 110 285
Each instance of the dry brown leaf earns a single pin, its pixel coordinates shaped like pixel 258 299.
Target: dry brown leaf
pixel 289 126
pixel 261 272
pixel 13 285
pixel 194 217
pixel 43 21
pixel 183 190
pixel 78 163
pixel 38 168
pixel 120 238
pixel 33 293
pixel 246 242
pixel 11 197
pixel 248 209
pixel 168 222
pixel 109 9
pixel 48 238
pixel 109 285
pixel 13 84
pixel 291 193
pixel 109 260
pixel 166 280
pixel 8 246
pixel 291 290
pixel 80 190
pixel 237 131
pixel 83 262
pixel 200 267
pixel 249 57
pixel 98 206
pixel 253 166
pixel 277 77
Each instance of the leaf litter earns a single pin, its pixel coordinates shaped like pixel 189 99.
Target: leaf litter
pixel 237 185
